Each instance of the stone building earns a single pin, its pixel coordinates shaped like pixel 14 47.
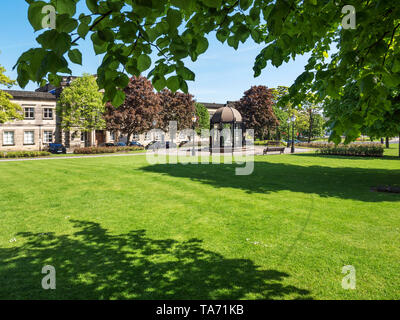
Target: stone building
pixel 39 126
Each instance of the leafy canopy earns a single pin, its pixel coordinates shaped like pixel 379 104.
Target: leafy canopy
pixel 126 32
pixel 8 109
pixel 81 105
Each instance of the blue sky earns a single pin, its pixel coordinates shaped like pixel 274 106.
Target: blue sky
pixel 222 74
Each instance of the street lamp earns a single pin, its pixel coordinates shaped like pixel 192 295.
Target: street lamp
pixel 288 132
pixel 194 119
pixel 293 118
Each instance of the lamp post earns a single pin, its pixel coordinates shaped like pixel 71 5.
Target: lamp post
pixel 288 132
pixel 293 118
pixel 194 119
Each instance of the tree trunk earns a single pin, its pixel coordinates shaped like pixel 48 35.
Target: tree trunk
pixel 128 138
pixel 382 142
pixel 310 127
pixel 387 143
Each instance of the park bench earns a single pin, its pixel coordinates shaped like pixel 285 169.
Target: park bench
pixel 273 146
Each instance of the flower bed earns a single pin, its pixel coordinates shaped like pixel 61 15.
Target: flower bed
pixel 23 154
pixel 316 144
pixel 98 150
pixel 354 149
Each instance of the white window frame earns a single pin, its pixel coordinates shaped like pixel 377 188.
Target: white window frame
pixel 47 109
pixel 46 135
pixel 5 133
pixel 30 141
pixel 32 110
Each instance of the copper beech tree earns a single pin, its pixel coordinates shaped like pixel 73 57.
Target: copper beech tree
pixel 256 107
pixel 177 106
pixel 141 107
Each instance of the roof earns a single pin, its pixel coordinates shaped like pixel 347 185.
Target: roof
pixel 31 95
pixel 226 114
pixel 213 105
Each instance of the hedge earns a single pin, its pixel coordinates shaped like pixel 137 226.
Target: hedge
pixel 23 154
pixel 98 150
pixel 354 149
pixel 315 144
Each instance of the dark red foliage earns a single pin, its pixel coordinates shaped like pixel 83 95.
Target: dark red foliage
pixel 177 106
pixel 256 108
pixel 141 107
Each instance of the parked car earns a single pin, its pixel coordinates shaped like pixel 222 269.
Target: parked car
pixel 154 145
pixel 182 143
pixel 109 144
pixel 135 144
pixel 170 144
pixel 120 144
pixel 57 148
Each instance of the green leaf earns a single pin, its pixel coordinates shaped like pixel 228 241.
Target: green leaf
pixel 75 56
pixel 186 74
pixel 143 62
pixel 66 7
pixel 213 3
pixel 35 15
pixel 159 83
pixel 92 5
pixel 173 83
pixel 174 19
pixel 119 98
pixel 65 23
pixel 245 4
pixel 202 45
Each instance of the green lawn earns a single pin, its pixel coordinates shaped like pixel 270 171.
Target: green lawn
pixel 118 227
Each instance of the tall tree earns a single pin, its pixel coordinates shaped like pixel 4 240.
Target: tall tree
pixel 256 106
pixel 8 109
pixel 176 106
pixel 126 32
pixel 141 107
pixel 81 105
pixel 203 117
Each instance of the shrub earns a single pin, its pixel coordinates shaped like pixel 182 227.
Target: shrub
pixel 315 144
pixel 99 150
pixel 354 149
pixel 23 154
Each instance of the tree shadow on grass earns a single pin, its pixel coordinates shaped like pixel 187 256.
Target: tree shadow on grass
pixel 94 264
pixel 267 177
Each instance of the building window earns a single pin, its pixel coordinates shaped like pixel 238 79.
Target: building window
pixel 8 138
pixel 48 137
pixel 83 136
pixel 112 136
pixel 29 113
pixel 48 113
pixel 29 137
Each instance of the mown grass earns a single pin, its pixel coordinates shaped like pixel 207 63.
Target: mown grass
pixel 118 227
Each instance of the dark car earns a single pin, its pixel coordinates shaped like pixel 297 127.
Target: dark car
pixel 155 145
pixel 182 143
pixel 120 144
pixel 109 144
pixel 135 144
pixel 57 148
pixel 170 144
